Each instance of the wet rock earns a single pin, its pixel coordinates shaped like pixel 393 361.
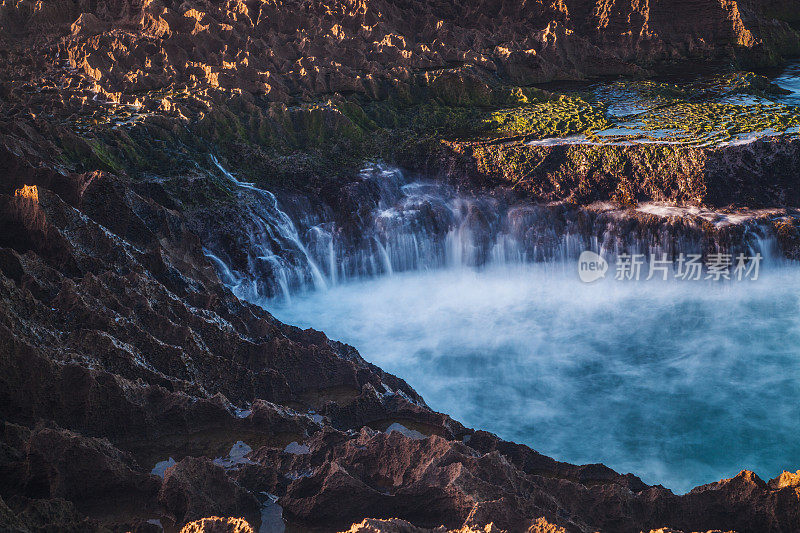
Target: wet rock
pixel 138 342
pixel 707 176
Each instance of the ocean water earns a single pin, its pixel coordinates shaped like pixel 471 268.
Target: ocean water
pixel 679 382
pixel 789 80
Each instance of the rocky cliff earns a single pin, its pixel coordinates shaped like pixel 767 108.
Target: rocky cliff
pixel 292 49
pixel 137 393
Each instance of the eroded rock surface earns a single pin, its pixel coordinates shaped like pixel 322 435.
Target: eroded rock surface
pixel 285 48
pixel 216 524
pixel 121 350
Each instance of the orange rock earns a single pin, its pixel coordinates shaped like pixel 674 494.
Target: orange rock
pixel 786 479
pixel 28 191
pixel 215 524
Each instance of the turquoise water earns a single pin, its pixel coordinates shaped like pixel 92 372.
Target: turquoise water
pixel 681 383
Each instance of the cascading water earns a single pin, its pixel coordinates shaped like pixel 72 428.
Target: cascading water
pixel 277 260
pixel 403 225
pixel 476 302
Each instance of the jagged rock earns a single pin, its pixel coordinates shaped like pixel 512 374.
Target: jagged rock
pixel 196 487
pixel 119 346
pixel 395 525
pixel 88 24
pixel 271 50
pixel 670 530
pixel 786 479
pixel 113 325
pixel 735 175
pixel 56 463
pixel 26 515
pixel 216 524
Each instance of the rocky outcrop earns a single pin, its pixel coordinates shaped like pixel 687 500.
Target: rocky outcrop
pixel 171 58
pixel 109 331
pixel 315 48
pixel 394 525
pixel 468 484
pixel 756 174
pixel 195 486
pixel 120 349
pixel 128 371
pixel 216 524
pixel 296 90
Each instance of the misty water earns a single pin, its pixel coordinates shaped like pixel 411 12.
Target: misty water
pixel 679 382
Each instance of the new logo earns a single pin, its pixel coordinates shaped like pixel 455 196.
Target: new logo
pixel 591 267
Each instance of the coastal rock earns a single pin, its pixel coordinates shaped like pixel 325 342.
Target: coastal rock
pixel 216 524
pixel 395 525
pixel 433 482
pixel 196 487
pixel 755 174
pixel 158 54
pixel 115 326
pixel 122 351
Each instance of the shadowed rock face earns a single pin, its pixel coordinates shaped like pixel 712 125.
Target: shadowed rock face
pixel 394 525
pixel 196 485
pixel 120 349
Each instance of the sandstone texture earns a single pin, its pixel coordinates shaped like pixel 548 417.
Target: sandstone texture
pixel 296 47
pixel 216 524
pixel 138 394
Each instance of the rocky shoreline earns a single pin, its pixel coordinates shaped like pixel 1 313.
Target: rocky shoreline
pixel 137 393
pixel 134 353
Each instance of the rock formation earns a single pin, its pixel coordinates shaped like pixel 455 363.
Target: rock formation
pixel 173 57
pixel 137 393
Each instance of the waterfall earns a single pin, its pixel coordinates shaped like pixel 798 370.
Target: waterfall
pixel 398 224
pixel 278 261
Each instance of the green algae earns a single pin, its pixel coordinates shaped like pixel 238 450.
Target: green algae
pixel 707 111
pixel 711 123
pixel 277 144
pixel 559 117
